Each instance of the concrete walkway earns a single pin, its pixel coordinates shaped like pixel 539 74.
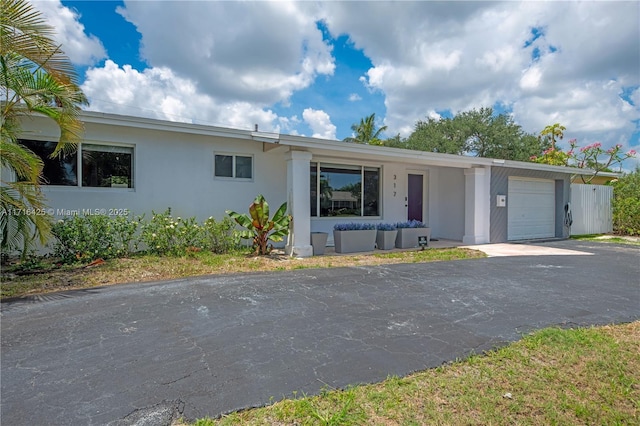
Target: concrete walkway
pixel 149 353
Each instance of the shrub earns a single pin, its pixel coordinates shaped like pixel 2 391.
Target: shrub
pixel 86 238
pixel 220 236
pixel 626 204
pixel 353 226
pixel 411 224
pixel 386 227
pixel 259 227
pixel 164 235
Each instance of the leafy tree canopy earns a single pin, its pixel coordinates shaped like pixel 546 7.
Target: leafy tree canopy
pixel 477 132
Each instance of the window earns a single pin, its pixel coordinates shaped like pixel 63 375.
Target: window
pixel 233 166
pixel 338 190
pixel 105 166
pixel 61 170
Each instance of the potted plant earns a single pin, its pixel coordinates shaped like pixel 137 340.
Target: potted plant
pixel 408 233
pixel 354 237
pixel 318 242
pixel 386 236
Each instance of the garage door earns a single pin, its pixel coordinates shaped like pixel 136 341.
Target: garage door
pixel 531 209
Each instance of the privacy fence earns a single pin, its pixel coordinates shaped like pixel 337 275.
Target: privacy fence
pixel 591 209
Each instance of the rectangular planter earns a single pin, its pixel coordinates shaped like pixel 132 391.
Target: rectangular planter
pixel 318 242
pixel 408 237
pixel 386 240
pixel 354 241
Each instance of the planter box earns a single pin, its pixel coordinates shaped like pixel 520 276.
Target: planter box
pixel 319 242
pixel 386 240
pixel 408 237
pixel 355 241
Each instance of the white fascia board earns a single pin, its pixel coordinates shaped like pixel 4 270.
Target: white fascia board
pixel 331 148
pixel 162 125
pixel 550 168
pixel 266 137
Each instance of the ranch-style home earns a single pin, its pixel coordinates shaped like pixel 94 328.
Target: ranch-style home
pixel 131 164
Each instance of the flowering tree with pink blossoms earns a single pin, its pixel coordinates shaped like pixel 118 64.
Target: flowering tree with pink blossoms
pixel 591 156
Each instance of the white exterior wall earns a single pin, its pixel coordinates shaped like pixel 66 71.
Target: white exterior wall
pixel 174 170
pixel 447 203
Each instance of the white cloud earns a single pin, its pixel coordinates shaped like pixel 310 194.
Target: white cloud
pixel 230 63
pixel 82 49
pixel 461 55
pixel 260 52
pixel 160 93
pixel 320 123
pixel 354 97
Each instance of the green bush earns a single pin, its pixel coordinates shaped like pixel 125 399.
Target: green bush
pixel 164 235
pixel 626 204
pixel 220 236
pixel 87 238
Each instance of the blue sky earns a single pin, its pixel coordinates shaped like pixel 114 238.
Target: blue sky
pixel 316 68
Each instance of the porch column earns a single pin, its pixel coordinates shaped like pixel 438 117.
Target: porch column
pixel 477 195
pixel 299 199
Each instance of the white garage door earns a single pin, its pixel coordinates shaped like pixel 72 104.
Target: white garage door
pixel 531 209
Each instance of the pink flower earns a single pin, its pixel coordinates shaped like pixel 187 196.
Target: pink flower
pixel 632 153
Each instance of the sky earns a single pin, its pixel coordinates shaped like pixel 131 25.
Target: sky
pixel 314 68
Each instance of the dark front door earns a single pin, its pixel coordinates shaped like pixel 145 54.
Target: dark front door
pixel 414 201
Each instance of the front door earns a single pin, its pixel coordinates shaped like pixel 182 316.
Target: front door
pixel 414 200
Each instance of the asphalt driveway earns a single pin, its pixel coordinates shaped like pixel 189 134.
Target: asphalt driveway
pixel 209 345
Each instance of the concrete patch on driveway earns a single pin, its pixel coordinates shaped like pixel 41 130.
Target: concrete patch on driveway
pixel 506 249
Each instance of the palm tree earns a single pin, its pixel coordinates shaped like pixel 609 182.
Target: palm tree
pixel 36 77
pixel 365 131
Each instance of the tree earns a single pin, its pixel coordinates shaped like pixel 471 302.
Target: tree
pixel 592 156
pixel 365 132
pixel 36 77
pixel 626 203
pixel 551 132
pixel 478 132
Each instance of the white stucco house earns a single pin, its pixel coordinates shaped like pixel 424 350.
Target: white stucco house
pixel 139 165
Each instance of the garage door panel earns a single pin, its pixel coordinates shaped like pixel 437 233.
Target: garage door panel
pixel 531 209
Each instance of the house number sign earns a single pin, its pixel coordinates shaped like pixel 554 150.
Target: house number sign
pixel 394 185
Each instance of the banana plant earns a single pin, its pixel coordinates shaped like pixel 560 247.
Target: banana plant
pixel 259 227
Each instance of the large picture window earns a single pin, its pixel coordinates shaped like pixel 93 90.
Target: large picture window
pixel 233 166
pixel 106 166
pixel 339 190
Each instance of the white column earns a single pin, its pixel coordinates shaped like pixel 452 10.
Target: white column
pixel 299 199
pixel 477 194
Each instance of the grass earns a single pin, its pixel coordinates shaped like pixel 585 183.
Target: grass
pixel 634 241
pixel 551 377
pixel 44 276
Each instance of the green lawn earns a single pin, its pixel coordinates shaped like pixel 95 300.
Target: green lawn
pixel 551 377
